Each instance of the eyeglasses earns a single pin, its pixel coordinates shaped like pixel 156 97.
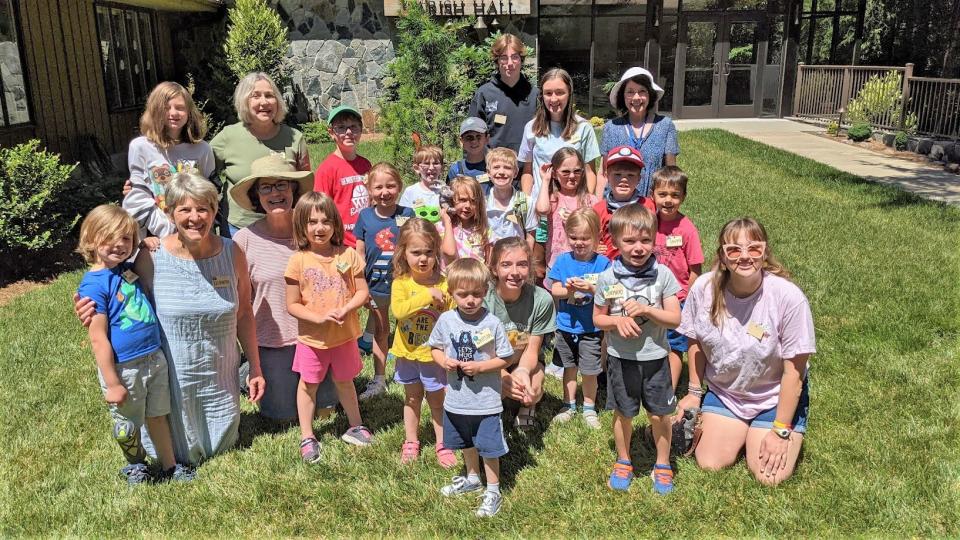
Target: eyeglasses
pixel 267 189
pixel 569 172
pixel 340 130
pixel 635 93
pixel 754 250
pixel 504 58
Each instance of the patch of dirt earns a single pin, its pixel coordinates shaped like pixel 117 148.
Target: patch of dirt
pixel 21 274
pixel 880 148
pixel 9 292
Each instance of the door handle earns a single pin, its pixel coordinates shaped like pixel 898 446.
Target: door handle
pixel 726 69
pixel 716 68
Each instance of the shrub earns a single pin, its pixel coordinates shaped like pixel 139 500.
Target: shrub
pixel 900 140
pixel 597 122
pixel 860 132
pixel 315 132
pixel 257 41
pixel 880 100
pixel 33 189
pixel 833 129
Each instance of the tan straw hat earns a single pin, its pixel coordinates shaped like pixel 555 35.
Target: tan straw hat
pixel 272 166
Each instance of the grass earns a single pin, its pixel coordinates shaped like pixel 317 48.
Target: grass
pixel 879 266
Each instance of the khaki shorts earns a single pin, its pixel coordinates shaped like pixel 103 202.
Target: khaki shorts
pixel 148 388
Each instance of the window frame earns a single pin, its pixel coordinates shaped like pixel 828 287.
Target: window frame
pixel 4 113
pixel 147 52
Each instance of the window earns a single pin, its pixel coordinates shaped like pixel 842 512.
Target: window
pixel 14 104
pixel 128 47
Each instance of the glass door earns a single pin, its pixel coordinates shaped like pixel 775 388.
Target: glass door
pixel 697 68
pixel 739 69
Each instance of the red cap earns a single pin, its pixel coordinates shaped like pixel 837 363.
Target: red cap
pixel 624 154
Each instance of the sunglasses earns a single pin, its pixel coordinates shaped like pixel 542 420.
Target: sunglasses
pixel 267 189
pixel 342 130
pixel 754 250
pixel 569 172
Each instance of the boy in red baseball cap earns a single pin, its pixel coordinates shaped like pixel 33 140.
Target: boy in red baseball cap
pixel 624 165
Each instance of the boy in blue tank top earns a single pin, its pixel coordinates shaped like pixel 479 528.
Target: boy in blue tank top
pixel 125 337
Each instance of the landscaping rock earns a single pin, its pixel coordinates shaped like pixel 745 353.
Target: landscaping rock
pixel 953 153
pixel 938 150
pixel 888 139
pixel 913 144
pixel 924 146
pixel 952 167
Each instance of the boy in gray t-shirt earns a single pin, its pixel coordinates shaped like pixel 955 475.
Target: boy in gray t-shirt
pixel 472 345
pixel 635 303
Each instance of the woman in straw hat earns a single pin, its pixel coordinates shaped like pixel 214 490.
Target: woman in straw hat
pixel 635 97
pixel 272 188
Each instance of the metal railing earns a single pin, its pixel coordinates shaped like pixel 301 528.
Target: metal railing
pixel 926 105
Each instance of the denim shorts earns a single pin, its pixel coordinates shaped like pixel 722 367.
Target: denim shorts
pixel 764 420
pixel 429 374
pixel 678 341
pixel 483 432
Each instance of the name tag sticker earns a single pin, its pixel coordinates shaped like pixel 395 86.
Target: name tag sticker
pixel 591 278
pixel 482 337
pixel 512 217
pixel 500 119
pixel 755 330
pixel 401 220
pixel 418 203
pixel 342 266
pixel 130 276
pixel 674 240
pixel 483 178
pixel 220 282
pixel 614 291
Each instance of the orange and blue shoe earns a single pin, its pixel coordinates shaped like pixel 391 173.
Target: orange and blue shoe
pixel 662 478
pixel 621 476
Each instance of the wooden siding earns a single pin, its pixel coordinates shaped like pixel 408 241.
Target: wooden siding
pixel 65 73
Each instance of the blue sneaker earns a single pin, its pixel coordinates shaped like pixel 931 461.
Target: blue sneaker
pixel 365 346
pixel 662 478
pixel 136 473
pixel 621 476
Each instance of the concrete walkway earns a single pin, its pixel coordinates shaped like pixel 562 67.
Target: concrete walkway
pixel 798 138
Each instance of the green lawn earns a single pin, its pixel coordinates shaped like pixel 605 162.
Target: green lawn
pixel 882 274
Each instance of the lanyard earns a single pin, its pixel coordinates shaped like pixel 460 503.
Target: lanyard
pixel 635 141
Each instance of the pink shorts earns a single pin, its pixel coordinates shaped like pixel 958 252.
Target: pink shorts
pixel 312 364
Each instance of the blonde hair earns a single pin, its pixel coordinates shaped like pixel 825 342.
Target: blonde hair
pixel 721 275
pixel 671 176
pixel 153 119
pixel 309 202
pixel 427 152
pixel 415 228
pixel 241 97
pixel 583 218
pixel 561 155
pixel 541 118
pixel 383 168
pixel 465 273
pixel 466 185
pixel 506 244
pixel 188 185
pixel 633 216
pixel 506 42
pixel 501 155
pixel 103 224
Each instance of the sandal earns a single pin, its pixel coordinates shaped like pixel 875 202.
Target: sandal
pixel 409 452
pixel 445 456
pixel 526 417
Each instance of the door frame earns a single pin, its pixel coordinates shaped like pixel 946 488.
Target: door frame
pixel 717 108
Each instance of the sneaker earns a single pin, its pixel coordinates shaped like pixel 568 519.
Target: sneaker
pixel 310 450
pixel 136 473
pixel 374 388
pixel 179 473
pixel 127 436
pixel 621 476
pixel 490 505
pixel 554 371
pixel 358 435
pixel 460 485
pixel 662 478
pixel 409 452
pixel 565 415
pixel 364 345
pixel 591 419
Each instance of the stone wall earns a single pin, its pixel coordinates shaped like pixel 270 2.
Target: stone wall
pixel 14 88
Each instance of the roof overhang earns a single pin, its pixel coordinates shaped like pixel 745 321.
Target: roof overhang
pixel 175 5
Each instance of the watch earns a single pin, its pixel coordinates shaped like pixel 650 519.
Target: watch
pixel 783 433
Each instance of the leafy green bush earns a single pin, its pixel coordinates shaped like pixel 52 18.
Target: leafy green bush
pixel 833 128
pixel 597 122
pixel 257 41
pixel 900 140
pixel 316 132
pixel 881 100
pixel 859 132
pixel 33 190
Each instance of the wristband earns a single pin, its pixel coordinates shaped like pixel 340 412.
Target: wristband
pixel 780 425
pixel 695 390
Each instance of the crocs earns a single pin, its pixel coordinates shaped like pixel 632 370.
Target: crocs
pixel 409 452
pixel 445 457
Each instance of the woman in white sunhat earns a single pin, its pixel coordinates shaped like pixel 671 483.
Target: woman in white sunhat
pixel 635 97
pixel 272 188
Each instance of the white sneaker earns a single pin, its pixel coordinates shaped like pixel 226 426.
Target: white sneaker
pixel 374 388
pixel 591 419
pixel 490 505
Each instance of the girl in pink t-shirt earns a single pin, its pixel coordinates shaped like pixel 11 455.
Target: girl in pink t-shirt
pixel 751 333
pixel 565 192
pixel 465 230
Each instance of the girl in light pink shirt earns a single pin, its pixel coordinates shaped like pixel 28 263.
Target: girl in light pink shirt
pixel 566 191
pixel 751 334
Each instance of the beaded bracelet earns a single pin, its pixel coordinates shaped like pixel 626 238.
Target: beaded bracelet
pixel 695 390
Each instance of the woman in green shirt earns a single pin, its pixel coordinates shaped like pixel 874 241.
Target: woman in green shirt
pixel 259 133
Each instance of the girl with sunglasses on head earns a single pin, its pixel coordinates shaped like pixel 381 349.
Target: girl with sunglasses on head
pixel 751 334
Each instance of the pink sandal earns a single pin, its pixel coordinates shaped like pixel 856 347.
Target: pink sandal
pixel 409 452
pixel 445 456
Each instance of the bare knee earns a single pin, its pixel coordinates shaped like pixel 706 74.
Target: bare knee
pixel 710 461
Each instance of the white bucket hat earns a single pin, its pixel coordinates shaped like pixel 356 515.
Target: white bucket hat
pixel 629 74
